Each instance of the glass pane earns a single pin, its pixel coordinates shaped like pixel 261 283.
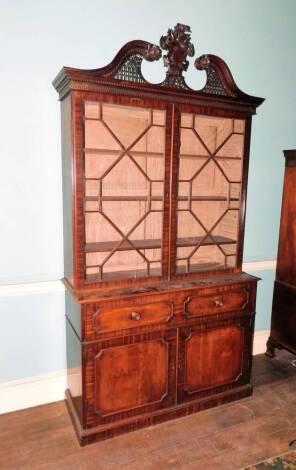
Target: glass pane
pixel 210 169
pixel 124 186
pixel 213 132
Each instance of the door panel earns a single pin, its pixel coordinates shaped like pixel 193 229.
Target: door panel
pixel 213 358
pixel 124 159
pixel 129 376
pixel 208 199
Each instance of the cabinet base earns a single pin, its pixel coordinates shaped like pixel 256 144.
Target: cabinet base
pixel 272 345
pixel 99 433
pixel 283 329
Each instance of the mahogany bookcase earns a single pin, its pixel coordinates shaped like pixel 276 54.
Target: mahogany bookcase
pixel 160 316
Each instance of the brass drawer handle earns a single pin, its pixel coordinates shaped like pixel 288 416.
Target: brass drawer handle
pixel 218 303
pixel 135 316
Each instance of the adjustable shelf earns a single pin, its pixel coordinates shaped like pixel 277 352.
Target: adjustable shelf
pixel 123 198
pixel 138 153
pixel 201 267
pixel 205 157
pixel 126 274
pixel 154 244
pixel 159 198
pixel 206 198
pixel 135 153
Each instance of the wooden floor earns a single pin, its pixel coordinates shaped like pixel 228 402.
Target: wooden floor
pixel 228 437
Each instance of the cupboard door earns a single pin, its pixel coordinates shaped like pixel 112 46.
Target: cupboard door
pixel 210 163
pixel 213 358
pixel 129 376
pixel 124 168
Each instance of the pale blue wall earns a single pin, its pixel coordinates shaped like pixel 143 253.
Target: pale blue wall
pixel 264 298
pixel 32 336
pixel 256 39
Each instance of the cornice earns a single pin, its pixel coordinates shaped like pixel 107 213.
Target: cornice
pixel 123 74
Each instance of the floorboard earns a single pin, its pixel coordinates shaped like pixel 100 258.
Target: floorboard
pixel 228 437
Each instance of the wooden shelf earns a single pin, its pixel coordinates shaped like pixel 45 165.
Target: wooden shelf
pixel 123 198
pixel 109 246
pixel 133 273
pixel 96 151
pixel 193 241
pixel 206 198
pixel 138 153
pixel 137 273
pixel 135 153
pixel 205 157
pixel 154 244
pixel 200 267
pixel 159 198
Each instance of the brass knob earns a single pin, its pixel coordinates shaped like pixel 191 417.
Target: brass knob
pixel 218 303
pixel 135 316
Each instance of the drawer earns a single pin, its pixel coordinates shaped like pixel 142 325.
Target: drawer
pixel 216 302
pixel 121 318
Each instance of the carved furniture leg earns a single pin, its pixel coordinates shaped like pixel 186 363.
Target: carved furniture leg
pixel 271 345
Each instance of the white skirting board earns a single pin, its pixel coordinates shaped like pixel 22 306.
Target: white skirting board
pixel 260 339
pixel 32 391
pixel 47 388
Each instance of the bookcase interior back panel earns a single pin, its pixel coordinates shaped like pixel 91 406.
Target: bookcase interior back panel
pixel 124 186
pixel 209 188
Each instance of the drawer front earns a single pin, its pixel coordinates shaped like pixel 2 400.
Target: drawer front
pixel 218 302
pixel 122 318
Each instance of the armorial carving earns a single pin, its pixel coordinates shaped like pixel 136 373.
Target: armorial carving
pixel 178 44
